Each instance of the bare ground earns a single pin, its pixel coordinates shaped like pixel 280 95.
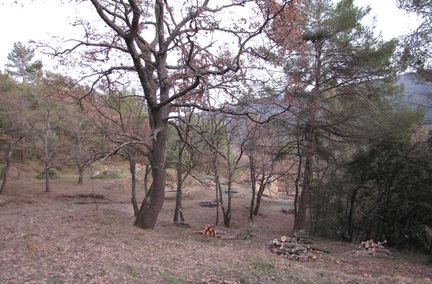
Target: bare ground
pixel 67 237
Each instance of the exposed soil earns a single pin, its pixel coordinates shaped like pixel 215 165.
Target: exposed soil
pixel 84 234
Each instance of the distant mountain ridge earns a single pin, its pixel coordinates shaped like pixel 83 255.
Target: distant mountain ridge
pixel 417 92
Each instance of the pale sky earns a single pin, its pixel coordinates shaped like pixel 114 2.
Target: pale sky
pixel 40 20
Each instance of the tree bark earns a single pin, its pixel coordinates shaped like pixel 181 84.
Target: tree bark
pixel 80 175
pixel 298 177
pixel 146 173
pixel 227 213
pixel 259 196
pixel 132 169
pixel 252 171
pixel 219 200
pixel 178 212
pixel 303 214
pixel 302 221
pixel 47 177
pixel 47 150
pixel 7 158
pixel 150 209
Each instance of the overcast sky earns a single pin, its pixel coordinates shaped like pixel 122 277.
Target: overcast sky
pixel 40 20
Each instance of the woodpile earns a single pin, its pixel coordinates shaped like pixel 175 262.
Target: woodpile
pixel 290 248
pixel 209 230
pixel 372 248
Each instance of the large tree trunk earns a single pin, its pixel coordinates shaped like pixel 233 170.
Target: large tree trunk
pixel 151 206
pixel 352 200
pixel 7 158
pixel 302 220
pixel 303 214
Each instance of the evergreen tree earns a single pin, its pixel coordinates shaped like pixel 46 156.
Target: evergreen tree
pixel 338 61
pixel 417 46
pixel 21 64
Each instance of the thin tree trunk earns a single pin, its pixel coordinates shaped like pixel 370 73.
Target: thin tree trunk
pixel 227 213
pixel 132 169
pixel 46 150
pixel 47 177
pixel 259 196
pixel 219 200
pixel 146 173
pixel 298 177
pixel 252 171
pixel 80 175
pixel 7 158
pixel 149 211
pixel 178 212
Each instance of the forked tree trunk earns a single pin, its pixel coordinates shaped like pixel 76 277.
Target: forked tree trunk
pixel 150 207
pixel 260 193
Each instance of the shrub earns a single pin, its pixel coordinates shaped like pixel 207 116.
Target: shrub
pixel 52 173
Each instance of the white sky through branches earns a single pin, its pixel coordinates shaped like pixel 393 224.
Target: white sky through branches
pixel 41 20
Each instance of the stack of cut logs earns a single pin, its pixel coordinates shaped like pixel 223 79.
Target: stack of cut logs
pixel 290 248
pixel 372 248
pixel 209 230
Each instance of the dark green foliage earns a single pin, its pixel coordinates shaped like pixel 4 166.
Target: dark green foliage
pixel 52 173
pixel 416 47
pixel 384 192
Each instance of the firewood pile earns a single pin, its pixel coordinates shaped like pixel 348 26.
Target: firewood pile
pixel 372 248
pixel 209 230
pixel 292 249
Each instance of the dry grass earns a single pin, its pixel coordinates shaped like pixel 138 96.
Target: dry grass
pixel 68 237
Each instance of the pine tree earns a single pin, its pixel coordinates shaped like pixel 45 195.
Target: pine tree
pixel 337 58
pixel 21 64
